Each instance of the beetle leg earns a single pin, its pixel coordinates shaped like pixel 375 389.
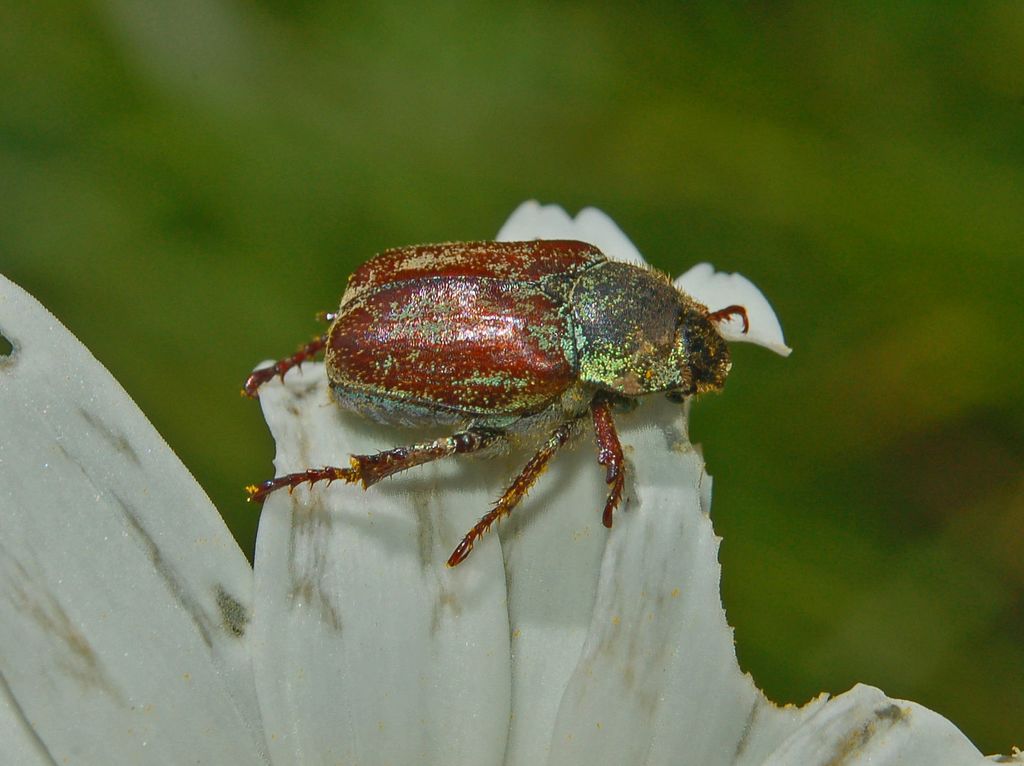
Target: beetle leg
pixel 609 453
pixel 258 492
pixel 731 311
pixel 515 492
pixel 369 469
pixel 373 468
pixel 262 375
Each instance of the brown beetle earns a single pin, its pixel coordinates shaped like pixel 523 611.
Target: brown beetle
pixel 508 342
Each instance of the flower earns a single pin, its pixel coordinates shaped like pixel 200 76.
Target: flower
pixel 132 629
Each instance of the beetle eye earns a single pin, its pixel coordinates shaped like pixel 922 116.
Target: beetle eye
pixel 679 395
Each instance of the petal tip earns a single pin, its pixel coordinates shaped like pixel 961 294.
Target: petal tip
pixel 719 288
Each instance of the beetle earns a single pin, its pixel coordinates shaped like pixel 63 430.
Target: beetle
pixel 509 344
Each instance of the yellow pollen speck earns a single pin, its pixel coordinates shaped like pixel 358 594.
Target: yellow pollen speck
pixel 675 593
pixel 616 620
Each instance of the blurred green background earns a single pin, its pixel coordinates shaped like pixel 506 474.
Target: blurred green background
pixel 184 184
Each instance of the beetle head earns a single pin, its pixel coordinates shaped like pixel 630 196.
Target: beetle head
pixel 703 353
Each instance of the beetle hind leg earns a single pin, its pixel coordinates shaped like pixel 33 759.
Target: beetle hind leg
pixel 370 469
pixel 515 492
pixel 373 468
pixel 264 374
pixel 258 492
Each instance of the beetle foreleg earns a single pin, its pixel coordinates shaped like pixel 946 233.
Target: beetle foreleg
pixel 262 375
pixel 609 454
pixel 731 311
pixel 516 491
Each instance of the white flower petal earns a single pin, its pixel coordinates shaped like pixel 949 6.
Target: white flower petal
pixel 717 289
pixel 553 545
pixel 125 600
pixel 20 745
pixel 657 680
pixel 622 651
pixel 657 677
pixel 369 649
pixel 531 220
pixel 863 726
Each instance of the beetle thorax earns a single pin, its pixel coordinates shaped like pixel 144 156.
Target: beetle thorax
pixel 626 321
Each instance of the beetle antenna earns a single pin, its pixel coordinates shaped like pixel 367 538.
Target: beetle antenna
pixel 730 311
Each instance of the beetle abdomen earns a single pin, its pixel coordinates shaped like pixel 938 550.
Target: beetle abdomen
pixel 472 345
